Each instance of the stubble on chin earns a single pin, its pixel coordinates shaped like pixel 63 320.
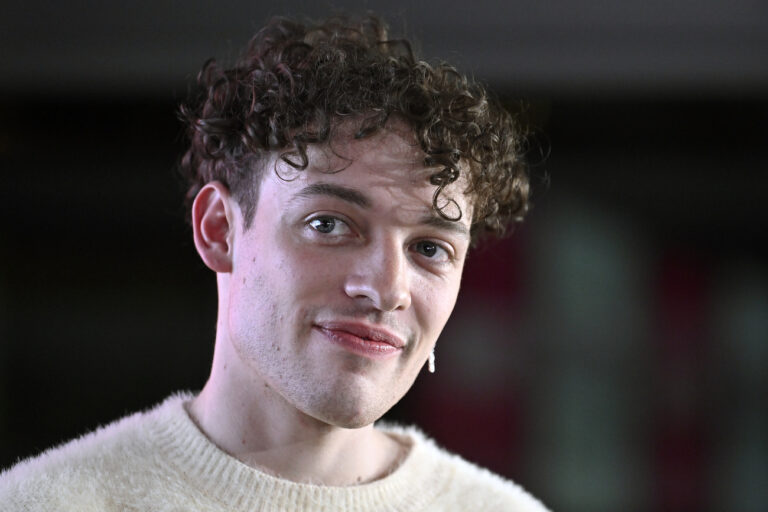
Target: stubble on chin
pixel 339 390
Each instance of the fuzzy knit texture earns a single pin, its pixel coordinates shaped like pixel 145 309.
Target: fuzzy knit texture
pixel 160 461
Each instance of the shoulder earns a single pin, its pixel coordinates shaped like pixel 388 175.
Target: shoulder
pixel 464 485
pixel 88 472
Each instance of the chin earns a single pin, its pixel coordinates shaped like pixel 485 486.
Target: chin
pixel 352 419
pixel 355 423
pixel 350 401
pixel 350 414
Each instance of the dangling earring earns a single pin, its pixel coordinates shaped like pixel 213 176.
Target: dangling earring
pixel 431 362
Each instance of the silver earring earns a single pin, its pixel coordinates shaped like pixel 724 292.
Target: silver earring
pixel 431 362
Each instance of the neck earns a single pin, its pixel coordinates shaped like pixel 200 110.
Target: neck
pixel 246 418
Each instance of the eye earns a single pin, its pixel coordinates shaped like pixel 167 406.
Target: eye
pixel 432 250
pixel 328 225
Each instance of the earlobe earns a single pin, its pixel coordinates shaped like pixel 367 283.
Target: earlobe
pixel 212 222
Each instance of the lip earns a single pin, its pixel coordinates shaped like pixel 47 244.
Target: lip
pixel 362 339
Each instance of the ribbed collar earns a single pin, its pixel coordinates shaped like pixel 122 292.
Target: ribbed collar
pixel 239 487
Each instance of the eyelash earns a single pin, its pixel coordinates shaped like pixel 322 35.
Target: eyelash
pixel 336 221
pixel 448 256
pixel 439 247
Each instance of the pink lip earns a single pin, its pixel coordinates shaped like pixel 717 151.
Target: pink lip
pixel 362 339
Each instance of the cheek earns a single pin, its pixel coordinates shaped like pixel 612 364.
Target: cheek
pixel 289 265
pixel 310 267
pixel 436 302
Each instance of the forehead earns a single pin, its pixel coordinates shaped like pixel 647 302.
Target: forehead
pixel 390 162
pixel 392 151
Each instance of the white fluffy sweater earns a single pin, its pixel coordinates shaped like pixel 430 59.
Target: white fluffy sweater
pixel 160 461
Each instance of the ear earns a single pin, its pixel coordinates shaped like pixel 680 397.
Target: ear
pixel 213 226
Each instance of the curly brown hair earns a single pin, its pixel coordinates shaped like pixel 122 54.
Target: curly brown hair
pixel 295 82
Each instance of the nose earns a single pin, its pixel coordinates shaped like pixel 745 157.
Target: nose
pixel 381 276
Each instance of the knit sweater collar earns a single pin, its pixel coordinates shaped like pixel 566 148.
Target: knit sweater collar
pixel 236 486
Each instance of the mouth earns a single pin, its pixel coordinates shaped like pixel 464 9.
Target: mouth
pixel 362 339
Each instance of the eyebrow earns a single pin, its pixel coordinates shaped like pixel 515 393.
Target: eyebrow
pixel 438 222
pixel 347 194
pixel 356 197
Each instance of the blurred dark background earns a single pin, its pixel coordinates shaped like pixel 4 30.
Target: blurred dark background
pixel 611 355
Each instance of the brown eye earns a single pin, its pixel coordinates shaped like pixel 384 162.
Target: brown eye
pixel 433 252
pixel 427 248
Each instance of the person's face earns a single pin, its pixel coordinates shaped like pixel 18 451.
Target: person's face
pixel 343 282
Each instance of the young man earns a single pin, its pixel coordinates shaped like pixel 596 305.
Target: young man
pixel 336 185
